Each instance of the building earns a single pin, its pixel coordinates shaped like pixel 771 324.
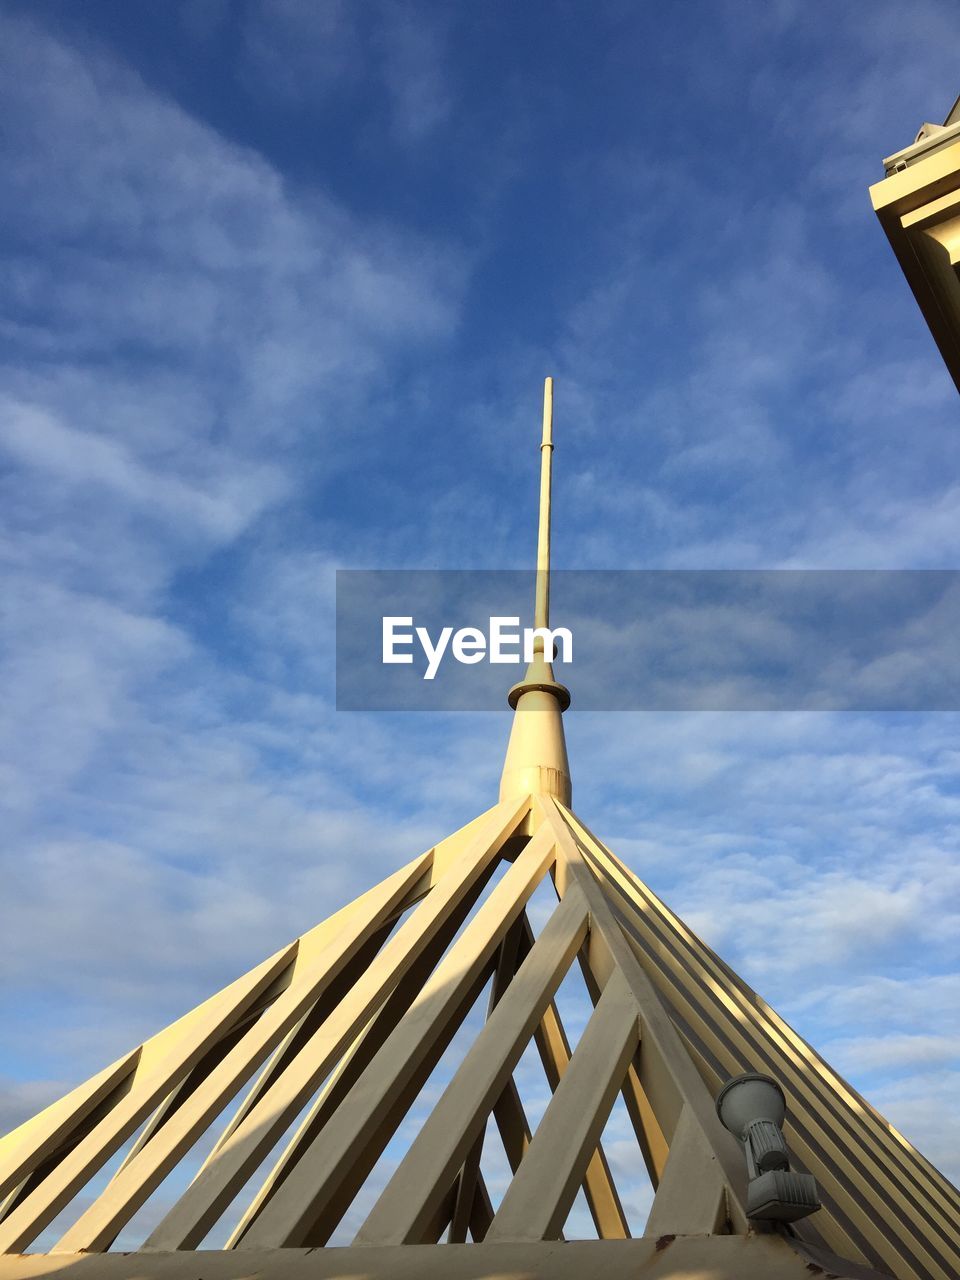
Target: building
pixel 918 204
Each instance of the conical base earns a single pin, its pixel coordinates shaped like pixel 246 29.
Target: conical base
pixel 536 761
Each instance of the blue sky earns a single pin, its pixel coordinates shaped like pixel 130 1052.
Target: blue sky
pixel 282 280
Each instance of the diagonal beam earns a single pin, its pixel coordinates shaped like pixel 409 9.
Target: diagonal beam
pixel 481 1215
pixel 356 1060
pixel 724 1016
pixel 332 994
pixel 466 1193
pixel 539 1197
pixel 598 1185
pixel 318 1191
pixel 691 1198
pixel 41 1138
pixel 215 1186
pixel 665 1070
pixel 470 1173
pixel 406 1205
pixel 508 1112
pixel 30 1152
pixel 96 1229
pixel 184 1044
pixel 311 1021
pixel 512 1125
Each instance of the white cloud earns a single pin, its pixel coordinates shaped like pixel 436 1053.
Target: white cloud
pixel 414 70
pixel 300 49
pixel 921 1108
pixel 305 53
pixel 892 1052
pixel 180 323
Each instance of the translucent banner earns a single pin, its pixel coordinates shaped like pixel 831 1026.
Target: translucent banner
pixel 628 640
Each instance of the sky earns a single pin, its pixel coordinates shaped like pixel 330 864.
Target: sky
pixel 282 280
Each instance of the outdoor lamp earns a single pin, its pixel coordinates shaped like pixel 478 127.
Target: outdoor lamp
pixel 753 1108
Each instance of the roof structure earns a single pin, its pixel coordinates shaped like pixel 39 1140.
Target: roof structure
pixel 918 205
pixel 292 1084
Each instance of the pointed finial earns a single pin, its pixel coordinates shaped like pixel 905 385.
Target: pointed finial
pixel 541 615
pixel 536 753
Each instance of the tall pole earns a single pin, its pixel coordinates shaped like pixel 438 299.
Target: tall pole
pixel 536 760
pixel 541 617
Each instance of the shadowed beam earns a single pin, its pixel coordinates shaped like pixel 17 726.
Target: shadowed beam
pixel 540 1196
pixel 406 1204
pixel 318 1190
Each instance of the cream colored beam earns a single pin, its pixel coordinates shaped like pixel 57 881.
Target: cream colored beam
pixel 319 1188
pixel 821 1132
pixel 514 1130
pixel 173 1099
pixel 186 1043
pixel 26 1147
pixel 300 1034
pixel 507 960
pixel 540 1196
pixel 356 1060
pixel 668 1076
pixel 482 1214
pixel 196 1211
pixel 442 1216
pixel 598 1185
pixel 13 1198
pixel 512 1125
pixel 336 1085
pixel 753 1257
pixel 653 1145
pixel 691 1198
pixel 291 1043
pixel 407 1202
pixel 599 1189
pixel 831 1096
pixel 56 1129
pixel 515 1133
pixel 98 1226
pixel 860 1213
pixel 183 1090
pixel 396 1103
pixel 447 851
pixel 466 1193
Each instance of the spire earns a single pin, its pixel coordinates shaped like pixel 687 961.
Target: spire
pixel 325 1047
pixel 541 617
pixel 536 760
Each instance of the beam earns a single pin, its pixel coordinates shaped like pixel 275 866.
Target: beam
pixel 538 1199
pixel 442 1145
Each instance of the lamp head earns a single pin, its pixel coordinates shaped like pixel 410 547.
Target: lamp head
pixel 748 1098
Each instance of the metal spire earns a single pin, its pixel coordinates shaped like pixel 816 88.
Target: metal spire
pixel 541 617
pixel 536 760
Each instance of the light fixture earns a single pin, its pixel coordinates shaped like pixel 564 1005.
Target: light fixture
pixel 753 1107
